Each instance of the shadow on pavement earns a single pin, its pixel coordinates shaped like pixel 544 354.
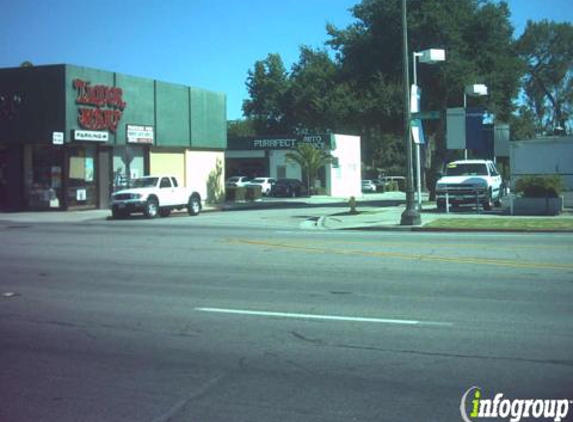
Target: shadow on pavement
pixel 303 203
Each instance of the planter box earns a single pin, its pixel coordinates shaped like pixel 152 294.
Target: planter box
pixel 537 206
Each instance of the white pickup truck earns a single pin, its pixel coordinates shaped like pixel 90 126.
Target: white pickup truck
pixel 154 195
pixel 470 182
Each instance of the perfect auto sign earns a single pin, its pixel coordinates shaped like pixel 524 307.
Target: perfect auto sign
pixel 287 143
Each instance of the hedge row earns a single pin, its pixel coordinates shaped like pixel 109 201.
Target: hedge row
pixel 249 193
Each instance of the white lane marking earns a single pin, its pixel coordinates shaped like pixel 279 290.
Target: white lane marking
pixel 322 317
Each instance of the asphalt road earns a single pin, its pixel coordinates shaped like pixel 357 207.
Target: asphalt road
pixel 181 320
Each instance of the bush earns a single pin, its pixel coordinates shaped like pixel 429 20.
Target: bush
pixel 392 186
pixel 236 194
pixel 253 193
pixel 540 186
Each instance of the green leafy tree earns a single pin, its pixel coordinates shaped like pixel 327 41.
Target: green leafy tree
pixel 546 49
pixel 523 124
pixel 311 159
pixel 240 128
pixel 477 36
pixel 267 84
pixel 312 91
pixel 357 87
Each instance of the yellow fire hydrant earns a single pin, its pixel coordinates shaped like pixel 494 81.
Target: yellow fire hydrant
pixel 352 205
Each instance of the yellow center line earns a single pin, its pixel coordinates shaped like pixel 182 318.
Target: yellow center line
pixel 406 256
pixel 444 245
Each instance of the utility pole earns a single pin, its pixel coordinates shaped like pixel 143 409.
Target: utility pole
pixel 411 216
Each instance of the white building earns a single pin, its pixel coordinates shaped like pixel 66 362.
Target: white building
pixel 260 157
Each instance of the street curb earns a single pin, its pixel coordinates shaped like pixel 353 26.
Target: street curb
pixel 448 230
pixel 445 229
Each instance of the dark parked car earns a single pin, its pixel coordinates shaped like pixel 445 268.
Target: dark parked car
pixel 288 187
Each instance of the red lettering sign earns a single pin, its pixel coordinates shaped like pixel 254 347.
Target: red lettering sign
pixel 107 102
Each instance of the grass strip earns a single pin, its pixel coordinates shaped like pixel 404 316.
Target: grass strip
pixel 504 223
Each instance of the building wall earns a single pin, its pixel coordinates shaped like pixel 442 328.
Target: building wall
pixel 344 179
pixel 205 172
pixel 172 115
pixel 39 102
pixel 32 104
pixel 171 163
pixel 139 93
pixel 208 119
pixel 94 77
pixel 279 163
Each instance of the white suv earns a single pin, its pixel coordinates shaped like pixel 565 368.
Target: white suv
pixel 469 182
pixel 266 184
pixel 236 181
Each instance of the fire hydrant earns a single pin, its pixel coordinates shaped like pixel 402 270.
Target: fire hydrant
pixel 352 205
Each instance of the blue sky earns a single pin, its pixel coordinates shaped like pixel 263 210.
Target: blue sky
pixel 209 44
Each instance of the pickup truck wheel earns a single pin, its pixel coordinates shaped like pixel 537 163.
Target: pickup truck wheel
pixel 488 203
pixel 164 212
pixel 151 208
pixel 194 205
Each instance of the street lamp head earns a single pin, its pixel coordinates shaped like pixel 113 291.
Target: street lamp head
pixel 476 90
pixel 433 55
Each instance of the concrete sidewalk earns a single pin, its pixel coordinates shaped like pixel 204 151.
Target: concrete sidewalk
pixel 374 212
pixel 79 216
pixel 388 218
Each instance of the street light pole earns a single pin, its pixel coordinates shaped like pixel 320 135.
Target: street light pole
pixel 431 56
pixel 410 216
pixel 465 106
pixel 415 56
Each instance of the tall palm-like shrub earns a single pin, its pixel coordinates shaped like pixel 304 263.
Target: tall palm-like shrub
pixel 311 159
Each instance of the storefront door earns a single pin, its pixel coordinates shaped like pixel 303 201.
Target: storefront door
pixel 81 177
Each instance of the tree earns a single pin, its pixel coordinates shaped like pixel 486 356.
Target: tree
pixel 311 91
pixel 267 85
pixel 358 89
pixel 240 128
pixel 524 125
pixel 311 159
pixel 477 36
pixel 546 49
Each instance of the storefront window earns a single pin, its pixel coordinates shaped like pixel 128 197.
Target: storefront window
pixel 44 177
pixel 82 177
pixel 134 155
